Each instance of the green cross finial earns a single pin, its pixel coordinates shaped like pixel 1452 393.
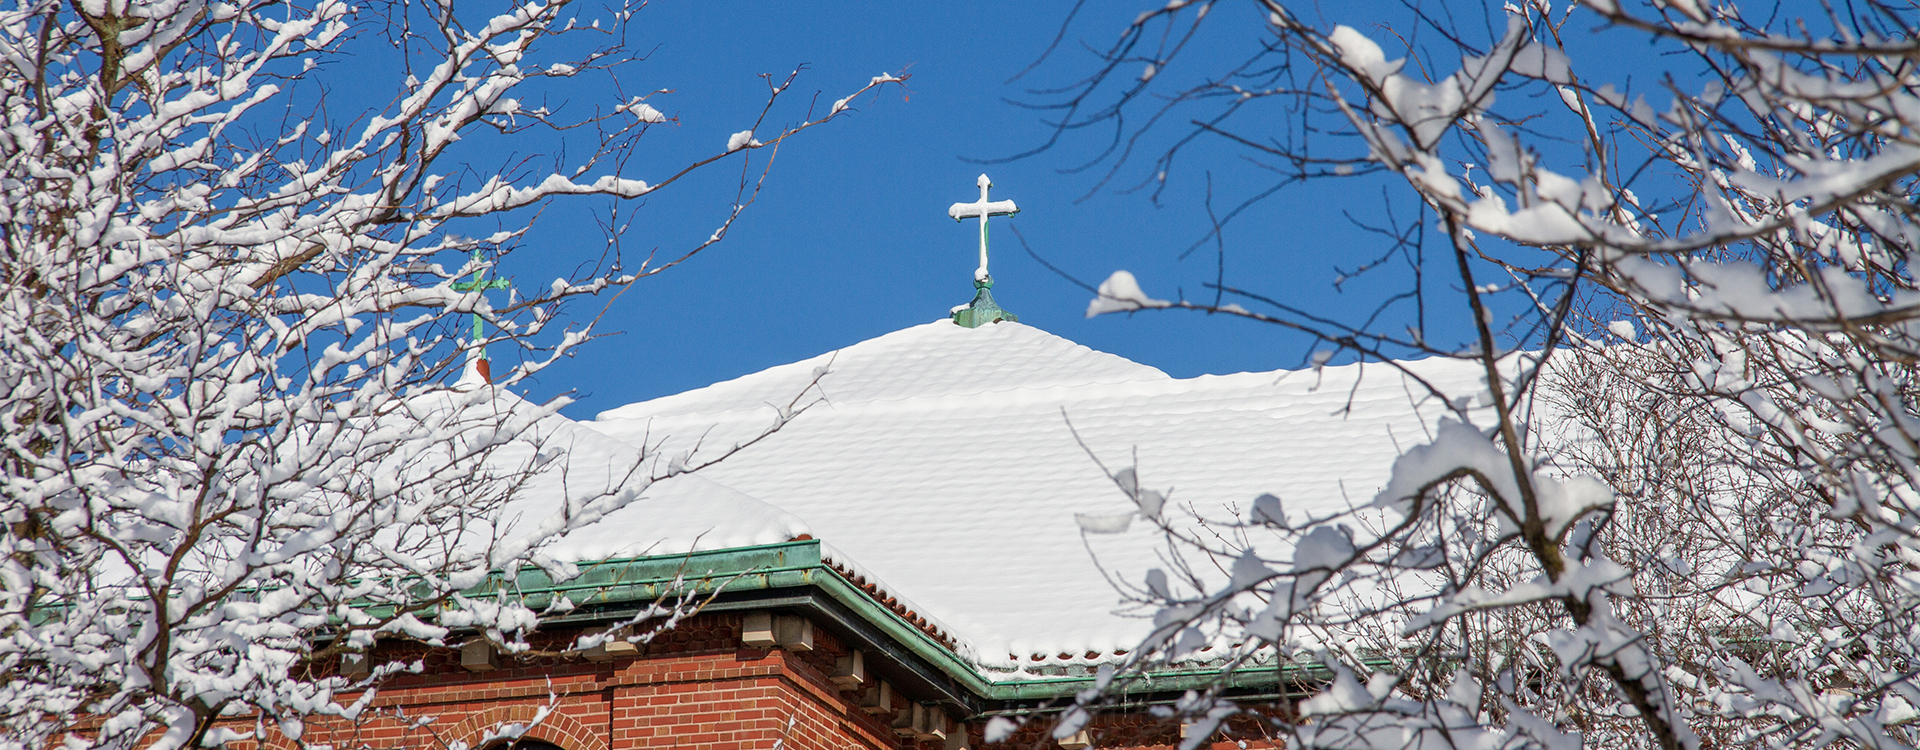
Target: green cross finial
pixel 480 284
pixel 982 310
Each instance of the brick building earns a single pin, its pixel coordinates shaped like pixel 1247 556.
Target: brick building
pixel 906 560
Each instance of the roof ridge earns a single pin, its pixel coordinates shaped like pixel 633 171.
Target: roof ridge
pixel 932 359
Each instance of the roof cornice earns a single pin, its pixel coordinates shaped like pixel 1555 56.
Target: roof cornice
pixel 795 575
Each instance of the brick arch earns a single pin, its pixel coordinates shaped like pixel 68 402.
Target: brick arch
pixel 557 728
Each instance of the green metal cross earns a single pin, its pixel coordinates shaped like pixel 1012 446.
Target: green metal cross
pixel 479 284
pixel 983 310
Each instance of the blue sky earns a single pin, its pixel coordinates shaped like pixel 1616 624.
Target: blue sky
pixel 850 240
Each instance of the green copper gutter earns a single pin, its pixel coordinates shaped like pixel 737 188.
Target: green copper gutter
pixel 753 572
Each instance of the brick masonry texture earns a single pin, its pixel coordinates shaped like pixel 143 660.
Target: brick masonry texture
pixel 693 688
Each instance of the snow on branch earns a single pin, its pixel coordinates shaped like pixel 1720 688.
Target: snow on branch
pixel 1681 508
pixel 236 446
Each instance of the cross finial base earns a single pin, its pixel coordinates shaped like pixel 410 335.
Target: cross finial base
pixel 983 310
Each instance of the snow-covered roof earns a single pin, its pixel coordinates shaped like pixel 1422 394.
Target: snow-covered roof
pixel 942 464
pixel 555 459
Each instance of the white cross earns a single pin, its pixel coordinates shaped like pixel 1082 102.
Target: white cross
pixel 983 209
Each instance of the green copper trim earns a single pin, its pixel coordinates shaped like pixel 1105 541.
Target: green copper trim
pixel 798 564
pixel 479 284
pixel 983 310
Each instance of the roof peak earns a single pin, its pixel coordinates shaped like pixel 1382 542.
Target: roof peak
pixel 932 360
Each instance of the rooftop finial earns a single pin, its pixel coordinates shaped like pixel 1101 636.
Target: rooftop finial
pixel 983 310
pixel 477 357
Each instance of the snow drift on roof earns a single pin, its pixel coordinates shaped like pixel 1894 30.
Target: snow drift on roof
pixel 601 476
pixel 946 460
pixel 686 513
pixel 935 359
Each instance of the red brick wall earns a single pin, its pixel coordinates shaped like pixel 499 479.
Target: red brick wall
pixel 694 688
pixel 1139 730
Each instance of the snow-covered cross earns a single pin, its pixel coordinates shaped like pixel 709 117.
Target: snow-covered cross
pixel 983 310
pixel 479 284
pixel 982 208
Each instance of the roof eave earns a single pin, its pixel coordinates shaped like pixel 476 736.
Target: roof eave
pixel 754 578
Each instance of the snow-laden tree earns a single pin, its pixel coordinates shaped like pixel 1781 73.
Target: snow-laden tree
pixel 230 333
pixel 1679 237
